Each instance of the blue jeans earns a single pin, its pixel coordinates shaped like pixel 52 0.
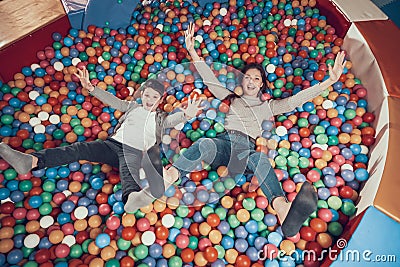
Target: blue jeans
pixel 237 153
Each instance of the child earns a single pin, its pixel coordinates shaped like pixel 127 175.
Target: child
pixel 236 146
pixel 138 130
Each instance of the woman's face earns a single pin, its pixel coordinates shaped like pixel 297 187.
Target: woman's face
pixel 252 82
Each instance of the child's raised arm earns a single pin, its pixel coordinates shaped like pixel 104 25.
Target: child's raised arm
pixel 290 103
pixel 187 113
pixel 215 87
pixel 103 96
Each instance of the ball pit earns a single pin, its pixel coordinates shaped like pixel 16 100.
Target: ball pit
pixel 75 210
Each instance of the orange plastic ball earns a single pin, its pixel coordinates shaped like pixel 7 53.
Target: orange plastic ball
pixel 318 225
pixel 6 245
pixel 24 117
pixel 324 239
pixel 199 259
pixel 32 226
pixel 222 171
pixel 231 255
pixel 204 228
pixel 6 232
pixel 215 237
pixel 108 253
pixel 168 251
pixel 93 249
pixel 227 202
pixel 94 221
pixel 56 236
pixel 96 262
pixel 80 225
pixel 243 215
pixel 287 246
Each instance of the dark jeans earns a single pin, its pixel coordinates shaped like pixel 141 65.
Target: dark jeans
pixel 237 153
pixel 110 151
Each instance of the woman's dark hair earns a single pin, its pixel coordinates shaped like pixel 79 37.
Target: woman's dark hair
pixel 258 67
pixel 244 70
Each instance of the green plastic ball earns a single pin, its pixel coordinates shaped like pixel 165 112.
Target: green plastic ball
pixel 303 162
pixel 261 226
pixel 193 242
pixel 28 143
pixel 123 244
pixel 229 183
pixel 302 122
pixel 348 208
pixel 10 174
pixel 249 204
pixel 292 161
pixel 49 186
pixel 58 134
pixel 25 185
pixel 233 221
pixel 182 211
pixel 334 202
pixel 280 161
pixel 7 119
pixel 112 263
pixel 335 228
pixel 206 210
pixel 322 204
pixel 178 224
pixel 221 251
pixel 257 214
pixel 141 251
pixel 30 264
pixel 45 209
pixel 221 212
pixel 76 251
pixel 175 261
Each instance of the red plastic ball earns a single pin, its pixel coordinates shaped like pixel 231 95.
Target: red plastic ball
pixel 242 261
pixel 307 233
pixel 187 255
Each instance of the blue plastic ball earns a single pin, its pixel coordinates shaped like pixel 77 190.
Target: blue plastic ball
pixel 102 240
pixel 361 174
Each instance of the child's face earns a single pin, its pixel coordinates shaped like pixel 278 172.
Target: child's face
pixel 252 82
pixel 150 99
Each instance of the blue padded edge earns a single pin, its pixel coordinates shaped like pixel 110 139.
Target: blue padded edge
pixel 118 15
pixel 376 235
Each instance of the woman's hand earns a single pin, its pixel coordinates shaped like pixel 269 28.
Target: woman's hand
pixel 83 76
pixel 193 106
pixel 189 38
pixel 337 70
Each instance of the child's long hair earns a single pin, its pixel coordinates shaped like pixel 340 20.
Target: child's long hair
pixel 247 67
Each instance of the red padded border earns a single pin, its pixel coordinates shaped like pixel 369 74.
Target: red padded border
pixel 23 52
pixel 383 37
pixel 334 16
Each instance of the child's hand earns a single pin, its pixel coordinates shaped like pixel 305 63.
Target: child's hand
pixel 83 76
pixel 192 108
pixel 189 37
pixel 337 70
